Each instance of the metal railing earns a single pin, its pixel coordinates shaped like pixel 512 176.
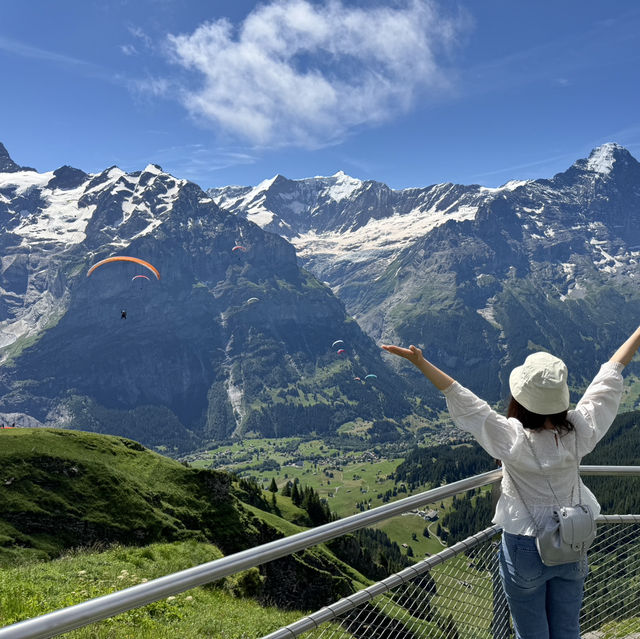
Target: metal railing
pixel 60 621
pixel 457 594
pixel 419 600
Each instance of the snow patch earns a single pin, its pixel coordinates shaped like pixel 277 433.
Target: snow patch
pixel 511 185
pixel 154 224
pixel 608 263
pixel 388 236
pixel 61 221
pixel 343 187
pixel 261 217
pixel 24 180
pixel 537 211
pixel 602 159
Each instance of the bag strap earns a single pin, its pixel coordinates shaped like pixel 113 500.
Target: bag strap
pixel 535 456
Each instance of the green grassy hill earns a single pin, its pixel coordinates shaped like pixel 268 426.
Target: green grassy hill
pixel 218 610
pixel 63 490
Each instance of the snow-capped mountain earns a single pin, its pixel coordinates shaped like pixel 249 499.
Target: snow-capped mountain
pixel 233 337
pixel 480 275
pixel 340 225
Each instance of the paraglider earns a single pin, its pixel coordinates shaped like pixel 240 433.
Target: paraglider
pixel 338 341
pixel 140 280
pixel 237 247
pixel 252 300
pixel 370 376
pixel 125 258
pixel 341 350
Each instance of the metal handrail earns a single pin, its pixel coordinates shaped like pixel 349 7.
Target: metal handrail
pixel 85 613
pixel 339 608
pixel 616 471
pixel 334 610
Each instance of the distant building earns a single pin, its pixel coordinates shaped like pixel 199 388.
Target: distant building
pixel 431 515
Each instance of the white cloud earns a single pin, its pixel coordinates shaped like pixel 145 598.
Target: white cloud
pixel 128 49
pixel 141 36
pixel 302 73
pixel 196 162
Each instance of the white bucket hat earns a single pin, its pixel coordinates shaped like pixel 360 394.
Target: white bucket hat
pixel 540 384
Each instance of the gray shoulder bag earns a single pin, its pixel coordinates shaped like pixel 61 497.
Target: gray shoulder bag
pixel 568 533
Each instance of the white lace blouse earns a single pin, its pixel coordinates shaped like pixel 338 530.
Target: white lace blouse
pixel 504 439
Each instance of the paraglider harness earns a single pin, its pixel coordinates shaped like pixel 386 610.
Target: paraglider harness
pixel 123 314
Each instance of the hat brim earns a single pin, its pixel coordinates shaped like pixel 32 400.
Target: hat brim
pixel 541 401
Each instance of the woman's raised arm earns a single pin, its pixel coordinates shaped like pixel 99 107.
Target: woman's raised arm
pixel 626 352
pixel 437 377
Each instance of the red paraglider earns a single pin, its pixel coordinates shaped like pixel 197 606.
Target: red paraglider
pixel 341 350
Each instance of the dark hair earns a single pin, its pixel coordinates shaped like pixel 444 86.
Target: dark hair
pixel 535 421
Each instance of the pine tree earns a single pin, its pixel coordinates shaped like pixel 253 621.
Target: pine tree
pixel 273 487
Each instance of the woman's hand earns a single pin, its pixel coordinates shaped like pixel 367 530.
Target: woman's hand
pixel 413 353
pixel 437 377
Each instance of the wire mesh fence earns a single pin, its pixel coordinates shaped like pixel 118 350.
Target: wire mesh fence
pixel 457 594
pixel 611 608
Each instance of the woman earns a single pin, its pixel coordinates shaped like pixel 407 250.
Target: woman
pixel 544 600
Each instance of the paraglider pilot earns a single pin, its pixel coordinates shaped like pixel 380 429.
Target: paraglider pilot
pixel 123 314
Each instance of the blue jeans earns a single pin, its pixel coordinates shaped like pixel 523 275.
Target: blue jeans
pixel 544 600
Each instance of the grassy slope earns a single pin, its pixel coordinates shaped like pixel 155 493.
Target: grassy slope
pixel 68 488
pixel 64 489
pixel 208 611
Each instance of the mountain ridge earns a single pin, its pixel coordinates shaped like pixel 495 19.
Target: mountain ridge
pixel 468 262
pixel 236 337
pixel 212 349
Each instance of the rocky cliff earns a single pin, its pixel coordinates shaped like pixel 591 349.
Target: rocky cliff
pixel 479 277
pixel 233 337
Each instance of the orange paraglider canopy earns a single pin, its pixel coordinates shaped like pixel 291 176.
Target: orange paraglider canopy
pixel 125 258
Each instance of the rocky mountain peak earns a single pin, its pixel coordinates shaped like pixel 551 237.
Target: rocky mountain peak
pixel 67 177
pixel 7 165
pixel 603 158
pixel 604 161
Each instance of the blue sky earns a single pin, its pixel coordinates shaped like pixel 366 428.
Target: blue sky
pixel 407 92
